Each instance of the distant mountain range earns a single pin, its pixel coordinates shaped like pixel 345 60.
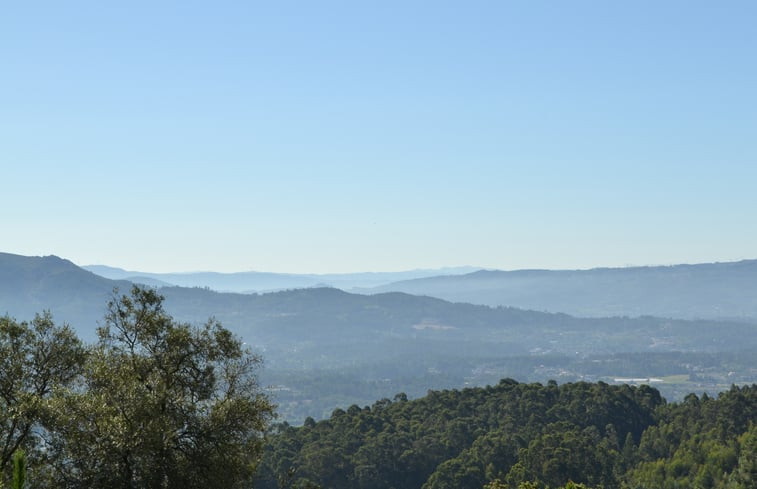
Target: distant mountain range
pixel 326 345
pixel 709 291
pixel 250 282
pixel 700 291
pixel 324 318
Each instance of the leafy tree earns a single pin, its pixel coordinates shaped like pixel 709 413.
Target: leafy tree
pixel 564 453
pixel 496 484
pixel 19 470
pixel 161 405
pixel 745 475
pixel 35 359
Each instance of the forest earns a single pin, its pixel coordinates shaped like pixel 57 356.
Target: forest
pixel 516 435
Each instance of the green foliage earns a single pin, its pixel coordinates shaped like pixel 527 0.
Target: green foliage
pixel 457 439
pixel 19 470
pixel 161 405
pixel 498 484
pixel 698 443
pixel 35 359
pixel 745 475
pixel 153 404
pixel 519 436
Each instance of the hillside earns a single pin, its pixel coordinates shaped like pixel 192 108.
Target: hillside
pixel 322 318
pixel 709 291
pixel 29 285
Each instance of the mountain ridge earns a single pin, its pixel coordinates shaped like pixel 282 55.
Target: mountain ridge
pixel 256 281
pixel 721 290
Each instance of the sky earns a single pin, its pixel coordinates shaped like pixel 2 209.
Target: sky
pixel 377 136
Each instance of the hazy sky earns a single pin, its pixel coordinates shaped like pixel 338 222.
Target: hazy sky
pixel 352 136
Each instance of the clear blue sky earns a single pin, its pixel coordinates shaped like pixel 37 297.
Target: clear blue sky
pixel 353 136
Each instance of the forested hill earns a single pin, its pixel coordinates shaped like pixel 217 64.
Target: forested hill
pixel 709 290
pixel 505 435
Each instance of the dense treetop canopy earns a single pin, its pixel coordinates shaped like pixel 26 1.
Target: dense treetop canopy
pixel 523 435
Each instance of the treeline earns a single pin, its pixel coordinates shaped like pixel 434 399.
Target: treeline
pixel 515 435
pixel 154 403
